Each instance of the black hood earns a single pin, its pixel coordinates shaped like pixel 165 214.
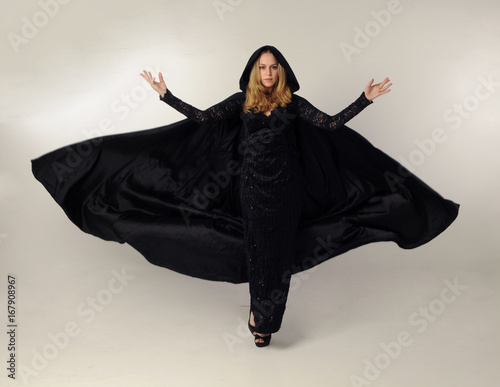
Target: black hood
pixel 290 76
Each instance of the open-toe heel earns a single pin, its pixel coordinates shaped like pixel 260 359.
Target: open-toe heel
pixel 266 339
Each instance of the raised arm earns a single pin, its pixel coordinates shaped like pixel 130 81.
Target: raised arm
pixel 309 113
pixel 322 120
pixel 222 110
pixel 225 109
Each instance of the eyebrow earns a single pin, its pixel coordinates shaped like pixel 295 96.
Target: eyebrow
pixel 263 64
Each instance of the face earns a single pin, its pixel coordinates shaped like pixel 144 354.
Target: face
pixel 268 70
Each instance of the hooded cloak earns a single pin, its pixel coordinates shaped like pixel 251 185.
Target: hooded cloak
pixel 171 193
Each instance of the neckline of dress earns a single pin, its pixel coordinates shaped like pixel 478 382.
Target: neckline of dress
pixel 279 107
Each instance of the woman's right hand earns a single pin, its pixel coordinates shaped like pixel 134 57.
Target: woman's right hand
pixel 160 86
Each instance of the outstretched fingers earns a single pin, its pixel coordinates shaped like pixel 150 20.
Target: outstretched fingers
pixel 373 91
pixel 148 77
pixel 385 83
pixel 385 86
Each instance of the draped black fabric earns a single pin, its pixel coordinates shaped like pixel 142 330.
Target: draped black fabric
pixel 172 193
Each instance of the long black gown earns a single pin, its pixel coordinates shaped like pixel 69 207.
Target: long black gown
pixel 271 196
pixel 270 189
pixel 236 197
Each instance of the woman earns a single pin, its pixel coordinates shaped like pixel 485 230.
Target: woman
pixel 256 188
pixel 271 188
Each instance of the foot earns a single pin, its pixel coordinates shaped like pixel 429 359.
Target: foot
pixel 258 336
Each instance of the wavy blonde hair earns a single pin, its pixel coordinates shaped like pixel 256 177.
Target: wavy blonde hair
pixel 257 100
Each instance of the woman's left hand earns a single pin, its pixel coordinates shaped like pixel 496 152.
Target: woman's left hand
pixel 373 91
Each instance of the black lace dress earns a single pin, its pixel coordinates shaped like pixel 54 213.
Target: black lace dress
pixel 270 190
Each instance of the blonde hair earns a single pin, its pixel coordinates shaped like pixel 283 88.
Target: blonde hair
pixel 257 100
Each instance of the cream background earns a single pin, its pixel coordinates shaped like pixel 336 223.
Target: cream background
pixel 165 329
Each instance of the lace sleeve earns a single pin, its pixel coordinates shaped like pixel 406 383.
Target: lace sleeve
pixel 309 113
pixel 222 110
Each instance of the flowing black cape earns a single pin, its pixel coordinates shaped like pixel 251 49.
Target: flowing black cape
pixel 172 193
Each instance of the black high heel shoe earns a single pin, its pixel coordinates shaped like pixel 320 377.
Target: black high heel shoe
pixel 267 339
